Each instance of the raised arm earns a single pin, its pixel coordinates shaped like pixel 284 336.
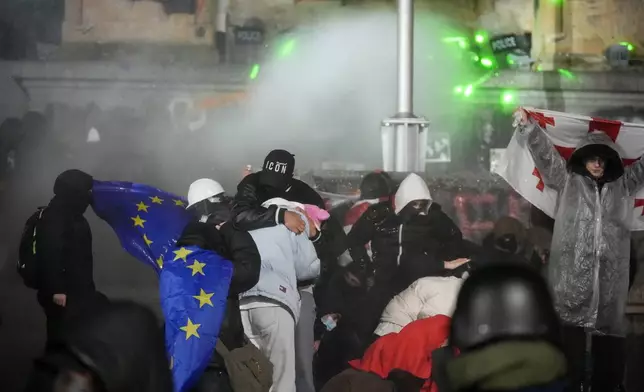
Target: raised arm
pixel 634 176
pixel 547 159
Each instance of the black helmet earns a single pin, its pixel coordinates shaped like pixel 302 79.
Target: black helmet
pixel 375 185
pixel 500 302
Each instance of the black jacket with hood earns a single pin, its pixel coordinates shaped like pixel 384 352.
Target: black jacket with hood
pixel 406 247
pixel 248 214
pixel 64 238
pixel 238 247
pixel 120 345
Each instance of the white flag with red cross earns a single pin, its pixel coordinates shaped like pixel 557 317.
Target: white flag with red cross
pixel 566 131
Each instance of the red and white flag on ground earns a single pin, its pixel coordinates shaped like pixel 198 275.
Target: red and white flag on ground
pixel 566 131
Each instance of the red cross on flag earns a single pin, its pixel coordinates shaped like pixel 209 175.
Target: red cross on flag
pixel 566 131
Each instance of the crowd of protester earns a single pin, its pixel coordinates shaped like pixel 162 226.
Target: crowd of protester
pixel 383 294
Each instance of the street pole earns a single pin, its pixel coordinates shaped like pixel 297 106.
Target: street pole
pixel 404 135
pixel 405 56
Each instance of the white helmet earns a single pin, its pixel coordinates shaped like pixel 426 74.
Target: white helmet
pixel 203 189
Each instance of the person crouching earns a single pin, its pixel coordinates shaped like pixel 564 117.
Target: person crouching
pixel 271 309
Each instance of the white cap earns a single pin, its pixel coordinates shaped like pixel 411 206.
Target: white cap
pixel 203 189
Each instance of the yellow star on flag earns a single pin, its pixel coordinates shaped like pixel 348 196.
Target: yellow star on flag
pixel 179 203
pixel 160 261
pixel 156 200
pixel 142 207
pixel 204 298
pixel 148 241
pixel 191 329
pixel 182 254
pixel 197 268
pixel 138 221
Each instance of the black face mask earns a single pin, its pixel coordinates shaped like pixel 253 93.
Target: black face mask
pixel 413 209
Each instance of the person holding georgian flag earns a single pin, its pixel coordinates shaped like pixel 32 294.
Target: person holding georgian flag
pixel 593 193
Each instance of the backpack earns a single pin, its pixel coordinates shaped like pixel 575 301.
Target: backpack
pixel 27 265
pixel 248 369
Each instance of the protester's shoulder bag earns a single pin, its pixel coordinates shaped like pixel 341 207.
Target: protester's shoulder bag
pixel 248 369
pixel 27 263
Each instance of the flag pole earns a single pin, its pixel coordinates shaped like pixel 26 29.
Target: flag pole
pixel 404 135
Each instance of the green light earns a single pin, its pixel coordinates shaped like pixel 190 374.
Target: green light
pixel 461 41
pixel 479 38
pixel 508 98
pixel 486 62
pixel 468 90
pixel 565 73
pixel 509 60
pixel 254 72
pixel 287 48
pixel 458 90
pixel 629 46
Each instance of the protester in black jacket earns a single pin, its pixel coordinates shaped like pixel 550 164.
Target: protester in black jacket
pixel 64 254
pixel 276 181
pixel 410 239
pixel 118 348
pixel 342 305
pixel 212 230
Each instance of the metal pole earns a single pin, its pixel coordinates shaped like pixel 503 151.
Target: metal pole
pixel 405 56
pixel 403 135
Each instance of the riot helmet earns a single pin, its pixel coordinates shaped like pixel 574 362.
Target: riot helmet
pixel 503 301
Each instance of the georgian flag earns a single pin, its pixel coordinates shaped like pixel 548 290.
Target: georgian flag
pixel 566 131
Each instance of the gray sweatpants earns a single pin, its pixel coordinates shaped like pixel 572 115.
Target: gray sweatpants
pixel 304 339
pixel 271 329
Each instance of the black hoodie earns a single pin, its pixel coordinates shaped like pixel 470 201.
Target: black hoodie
pixel 64 238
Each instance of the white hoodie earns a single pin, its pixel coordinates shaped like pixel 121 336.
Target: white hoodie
pixel 413 187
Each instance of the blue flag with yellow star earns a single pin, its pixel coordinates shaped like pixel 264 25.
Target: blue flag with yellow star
pixel 194 287
pixel 148 221
pixel 193 283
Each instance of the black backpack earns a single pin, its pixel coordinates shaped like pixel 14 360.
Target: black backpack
pixel 27 264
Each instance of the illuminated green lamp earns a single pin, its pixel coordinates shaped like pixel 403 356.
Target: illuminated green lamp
pixel 254 72
pixel 487 62
pixel 565 73
pixel 629 46
pixel 479 38
pixel 468 90
pixel 508 98
pixel 461 41
pixel 286 48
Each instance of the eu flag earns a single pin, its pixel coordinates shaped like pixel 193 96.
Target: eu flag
pixel 193 283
